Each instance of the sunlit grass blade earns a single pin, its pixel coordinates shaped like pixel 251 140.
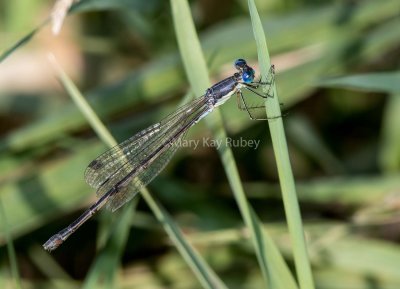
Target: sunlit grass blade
pixel 292 210
pixel 273 267
pixel 60 10
pixel 203 272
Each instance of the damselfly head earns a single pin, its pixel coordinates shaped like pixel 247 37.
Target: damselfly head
pixel 240 64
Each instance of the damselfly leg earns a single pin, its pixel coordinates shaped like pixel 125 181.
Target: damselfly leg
pixel 251 97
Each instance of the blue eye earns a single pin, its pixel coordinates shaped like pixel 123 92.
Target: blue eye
pixel 240 63
pixel 248 75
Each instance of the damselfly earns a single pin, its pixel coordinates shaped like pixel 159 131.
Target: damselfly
pixel 119 173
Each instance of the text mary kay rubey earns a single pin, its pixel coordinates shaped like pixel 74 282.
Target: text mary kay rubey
pixel 210 142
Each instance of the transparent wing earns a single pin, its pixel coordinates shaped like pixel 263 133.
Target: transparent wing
pixel 105 165
pixel 135 162
pixel 142 178
pixel 101 168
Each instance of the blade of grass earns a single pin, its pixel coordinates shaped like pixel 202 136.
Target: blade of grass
pixel 47 264
pixel 104 270
pixel 83 105
pixel 81 6
pixel 207 277
pixel 273 267
pixel 22 41
pixel 389 154
pixel 105 267
pixel 300 130
pixel 381 82
pixel 10 248
pixel 290 201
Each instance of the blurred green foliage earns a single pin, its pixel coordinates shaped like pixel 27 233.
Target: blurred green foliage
pixel 338 78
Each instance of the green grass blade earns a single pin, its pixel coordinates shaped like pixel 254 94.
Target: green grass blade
pixel 292 210
pixel 82 6
pixel 388 82
pixel 189 47
pixel 375 82
pixel 389 154
pixel 300 130
pixel 98 5
pixel 104 270
pixel 105 267
pixel 24 40
pixel 84 106
pixel 10 248
pixel 271 262
pixel 204 273
pixel 47 264
pixel 207 277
